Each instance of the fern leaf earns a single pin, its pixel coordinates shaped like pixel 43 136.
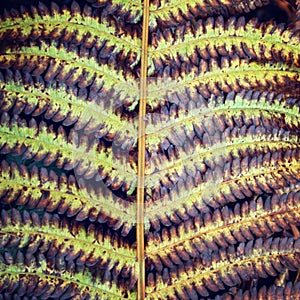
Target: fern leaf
pixel 228 226
pixel 149 149
pixel 230 75
pixel 215 114
pixel 66 284
pixel 60 104
pixel 41 189
pixel 168 13
pixel 216 191
pixel 41 142
pixel 214 271
pixel 52 24
pixel 51 58
pixel 217 38
pixel 45 233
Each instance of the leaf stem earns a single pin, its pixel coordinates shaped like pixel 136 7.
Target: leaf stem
pixel 141 156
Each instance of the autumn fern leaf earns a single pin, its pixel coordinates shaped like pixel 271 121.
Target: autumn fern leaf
pixel 61 104
pixel 149 149
pixel 43 189
pixel 215 37
pixel 52 56
pixel 254 259
pixel 211 77
pixel 67 285
pixel 183 202
pixel 216 112
pixel 43 143
pixel 52 23
pixel 228 226
pixel 168 13
pixel 79 243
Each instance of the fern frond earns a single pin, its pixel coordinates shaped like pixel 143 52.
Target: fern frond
pixel 218 269
pixel 41 189
pixel 89 247
pixel 262 174
pixel 199 116
pixel 218 152
pixel 73 24
pixel 47 280
pixel 226 226
pixel 70 67
pixel 150 149
pixel 59 104
pixel 41 143
pixel 216 38
pixel 230 75
pixel 168 13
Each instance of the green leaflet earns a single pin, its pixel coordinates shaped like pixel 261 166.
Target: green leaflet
pixel 92 245
pixel 174 10
pixel 42 141
pixel 240 223
pixel 251 257
pixel 83 282
pixel 219 151
pixel 125 86
pixel 219 39
pixel 61 102
pixel 215 77
pixel 63 20
pixel 215 190
pixel 239 106
pixel 50 193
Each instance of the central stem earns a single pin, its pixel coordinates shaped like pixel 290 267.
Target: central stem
pixel 141 157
